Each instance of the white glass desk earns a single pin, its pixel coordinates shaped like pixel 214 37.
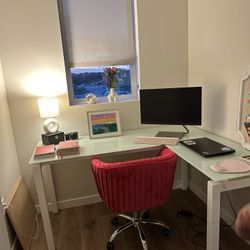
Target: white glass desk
pixel 118 145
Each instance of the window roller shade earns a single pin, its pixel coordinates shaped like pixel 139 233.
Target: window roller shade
pixel 98 32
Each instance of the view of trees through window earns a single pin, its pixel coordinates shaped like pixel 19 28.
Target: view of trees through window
pixel 91 80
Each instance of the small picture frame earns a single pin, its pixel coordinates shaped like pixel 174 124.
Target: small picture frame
pixel 104 124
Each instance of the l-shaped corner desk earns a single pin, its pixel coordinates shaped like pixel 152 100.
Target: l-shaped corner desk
pixel 218 182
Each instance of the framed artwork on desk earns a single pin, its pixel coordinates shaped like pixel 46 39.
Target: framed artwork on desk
pixel 244 110
pixel 104 124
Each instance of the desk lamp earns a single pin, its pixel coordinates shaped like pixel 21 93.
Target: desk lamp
pixel 48 108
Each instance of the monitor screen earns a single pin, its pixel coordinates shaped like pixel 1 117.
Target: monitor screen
pixel 175 106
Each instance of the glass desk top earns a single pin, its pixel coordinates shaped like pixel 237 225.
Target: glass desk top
pixel 125 143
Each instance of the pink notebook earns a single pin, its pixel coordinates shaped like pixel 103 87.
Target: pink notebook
pixel 231 166
pixel 44 151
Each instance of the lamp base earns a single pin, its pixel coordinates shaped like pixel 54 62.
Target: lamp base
pixel 53 138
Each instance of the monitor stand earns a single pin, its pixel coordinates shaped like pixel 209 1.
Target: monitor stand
pixel 170 134
pixel 173 134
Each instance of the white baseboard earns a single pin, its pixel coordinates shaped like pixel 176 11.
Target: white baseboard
pixel 177 184
pixel 86 200
pixel 76 202
pixel 81 201
pixel 196 189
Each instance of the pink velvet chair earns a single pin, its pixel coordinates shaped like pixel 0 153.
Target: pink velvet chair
pixel 135 186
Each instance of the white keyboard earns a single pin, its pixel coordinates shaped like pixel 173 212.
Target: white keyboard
pixel 157 140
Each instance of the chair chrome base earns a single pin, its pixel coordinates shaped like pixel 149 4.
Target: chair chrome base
pixel 137 222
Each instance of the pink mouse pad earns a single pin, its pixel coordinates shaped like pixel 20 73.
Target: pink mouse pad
pixel 230 166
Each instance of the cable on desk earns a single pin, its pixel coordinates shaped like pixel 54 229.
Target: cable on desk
pixel 233 209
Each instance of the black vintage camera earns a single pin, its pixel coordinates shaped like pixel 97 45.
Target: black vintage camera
pixel 53 138
pixel 71 136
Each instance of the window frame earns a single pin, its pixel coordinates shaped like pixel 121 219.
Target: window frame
pixel 134 69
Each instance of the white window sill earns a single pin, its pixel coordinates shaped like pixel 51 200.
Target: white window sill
pixel 104 100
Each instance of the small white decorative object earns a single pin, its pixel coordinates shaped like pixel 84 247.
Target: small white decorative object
pixel 112 95
pixel 91 99
pixel 244 110
pixel 50 126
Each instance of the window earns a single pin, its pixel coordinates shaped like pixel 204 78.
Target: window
pixel 98 34
pixel 91 80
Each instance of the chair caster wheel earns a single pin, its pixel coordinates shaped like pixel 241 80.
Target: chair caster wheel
pixel 110 246
pixel 114 221
pixel 146 215
pixel 165 231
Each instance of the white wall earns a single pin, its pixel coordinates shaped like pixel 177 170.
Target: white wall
pixel 219 54
pixel 32 54
pixel 162 28
pixel 9 169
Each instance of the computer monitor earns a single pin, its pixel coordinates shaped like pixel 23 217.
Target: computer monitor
pixel 174 106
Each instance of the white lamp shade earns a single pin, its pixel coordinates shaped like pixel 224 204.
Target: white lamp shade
pixel 48 107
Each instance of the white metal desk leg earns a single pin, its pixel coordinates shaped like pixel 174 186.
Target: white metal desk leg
pixel 43 206
pixel 51 188
pixel 184 174
pixel 213 215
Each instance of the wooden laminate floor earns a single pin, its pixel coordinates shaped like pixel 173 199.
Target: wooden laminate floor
pixel 89 228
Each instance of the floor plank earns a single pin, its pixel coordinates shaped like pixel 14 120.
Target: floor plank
pixel 89 228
